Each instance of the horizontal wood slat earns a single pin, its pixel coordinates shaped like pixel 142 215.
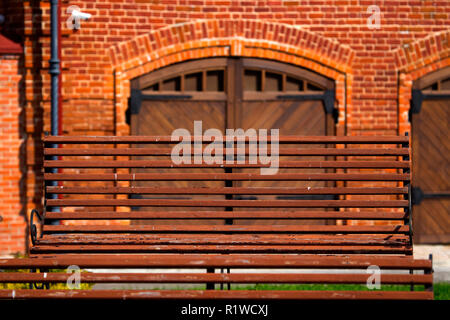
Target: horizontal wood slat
pixel 281 152
pixel 227 190
pixel 14 277
pixel 213 294
pixel 227 248
pixel 232 203
pixel 215 261
pixel 362 215
pixel 225 229
pixel 169 139
pixel 226 176
pixel 235 239
pixel 170 164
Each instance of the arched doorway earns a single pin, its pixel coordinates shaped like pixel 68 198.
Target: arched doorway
pixel 430 123
pixel 232 89
pixel 233 93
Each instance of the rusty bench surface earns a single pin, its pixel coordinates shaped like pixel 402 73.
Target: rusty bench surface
pixel 225 216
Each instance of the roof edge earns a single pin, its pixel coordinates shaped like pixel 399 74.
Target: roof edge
pixel 8 46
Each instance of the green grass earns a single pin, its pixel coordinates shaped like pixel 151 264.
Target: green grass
pixel 441 290
pixel 319 287
pixel 53 286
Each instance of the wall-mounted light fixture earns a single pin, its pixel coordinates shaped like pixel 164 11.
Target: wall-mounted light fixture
pixel 73 22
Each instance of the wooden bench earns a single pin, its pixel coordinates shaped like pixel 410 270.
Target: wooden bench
pixel 230 221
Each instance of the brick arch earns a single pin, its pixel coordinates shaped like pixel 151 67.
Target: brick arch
pixel 416 60
pixel 246 38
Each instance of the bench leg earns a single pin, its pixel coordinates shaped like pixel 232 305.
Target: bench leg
pixel 229 184
pixel 411 288
pixel 209 285
pixel 228 284
pixel 430 287
pixel 33 285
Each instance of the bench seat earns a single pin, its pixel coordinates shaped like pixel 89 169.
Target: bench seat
pixel 343 269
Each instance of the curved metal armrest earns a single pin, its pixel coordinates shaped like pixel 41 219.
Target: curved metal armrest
pixel 33 228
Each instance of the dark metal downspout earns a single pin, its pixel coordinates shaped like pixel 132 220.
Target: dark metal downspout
pixel 55 71
pixel 54 67
pixel 60 106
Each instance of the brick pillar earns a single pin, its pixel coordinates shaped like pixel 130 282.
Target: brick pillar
pixel 13 220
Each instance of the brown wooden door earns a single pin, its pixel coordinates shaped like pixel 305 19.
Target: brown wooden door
pixel 431 163
pixel 230 93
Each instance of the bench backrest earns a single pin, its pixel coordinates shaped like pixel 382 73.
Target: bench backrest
pixel 137 199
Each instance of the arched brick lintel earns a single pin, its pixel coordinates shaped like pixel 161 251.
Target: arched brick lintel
pixel 206 39
pixel 235 34
pixel 416 60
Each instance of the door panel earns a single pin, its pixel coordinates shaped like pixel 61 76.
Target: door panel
pixel 292 118
pixel 161 118
pixel 431 171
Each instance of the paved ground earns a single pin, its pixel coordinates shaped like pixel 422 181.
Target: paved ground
pixel 441 259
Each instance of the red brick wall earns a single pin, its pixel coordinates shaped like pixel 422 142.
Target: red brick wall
pixel 373 68
pixel 13 219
